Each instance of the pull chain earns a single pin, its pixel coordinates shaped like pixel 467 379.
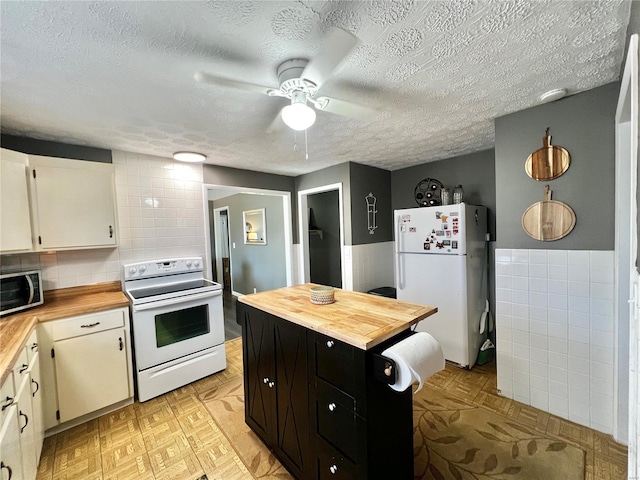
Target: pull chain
pixel 306 146
pixel 295 141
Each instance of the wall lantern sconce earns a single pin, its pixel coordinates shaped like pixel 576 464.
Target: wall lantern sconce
pixel 371 213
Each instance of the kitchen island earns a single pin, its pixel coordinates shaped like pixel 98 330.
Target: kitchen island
pixel 311 390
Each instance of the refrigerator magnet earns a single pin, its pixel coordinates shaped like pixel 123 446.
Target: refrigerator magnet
pixel 412 229
pixel 443 218
pixel 448 233
pixel 427 246
pixel 438 214
pixel 454 244
pixel 440 233
pixel 446 243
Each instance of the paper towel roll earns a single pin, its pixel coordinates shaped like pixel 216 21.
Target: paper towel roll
pixel 417 358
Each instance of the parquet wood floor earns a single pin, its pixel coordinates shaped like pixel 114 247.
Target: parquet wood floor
pixel 173 437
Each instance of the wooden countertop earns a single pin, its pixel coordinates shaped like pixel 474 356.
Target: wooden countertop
pixel 359 319
pixel 66 302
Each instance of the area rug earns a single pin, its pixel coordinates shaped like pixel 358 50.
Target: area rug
pixel 452 440
pixel 456 440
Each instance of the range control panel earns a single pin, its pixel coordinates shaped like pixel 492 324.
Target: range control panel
pixel 156 268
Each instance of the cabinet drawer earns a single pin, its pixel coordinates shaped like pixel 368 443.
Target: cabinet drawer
pixel 7 396
pixel 85 324
pixel 334 361
pixel 32 346
pixel 20 367
pixel 331 465
pixel 337 423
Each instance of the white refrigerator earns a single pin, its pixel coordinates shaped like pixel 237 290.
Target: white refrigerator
pixel 441 260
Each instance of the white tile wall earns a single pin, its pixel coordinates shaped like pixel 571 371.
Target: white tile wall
pixel 372 266
pixel 160 215
pixel 554 329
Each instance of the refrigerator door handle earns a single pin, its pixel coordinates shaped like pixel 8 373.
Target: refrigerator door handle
pixel 399 256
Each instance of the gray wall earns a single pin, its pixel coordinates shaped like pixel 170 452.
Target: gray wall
pixel 261 267
pixel 327 176
pixel 235 177
pixel 325 265
pixel 583 124
pixel 364 180
pixel 475 172
pixel 46 148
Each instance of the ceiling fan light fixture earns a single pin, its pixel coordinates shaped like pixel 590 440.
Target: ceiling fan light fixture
pixel 298 115
pixel 190 157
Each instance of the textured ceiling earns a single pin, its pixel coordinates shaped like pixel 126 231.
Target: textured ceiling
pixel 119 75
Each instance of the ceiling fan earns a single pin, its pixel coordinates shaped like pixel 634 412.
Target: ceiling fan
pixel 301 79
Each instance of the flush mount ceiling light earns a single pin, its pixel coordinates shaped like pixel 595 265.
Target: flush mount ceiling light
pixel 191 157
pixel 552 95
pixel 298 115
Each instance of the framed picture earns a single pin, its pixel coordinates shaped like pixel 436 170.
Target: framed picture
pixel 255 227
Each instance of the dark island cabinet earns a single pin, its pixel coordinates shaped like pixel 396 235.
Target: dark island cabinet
pixel 315 401
pixel 276 386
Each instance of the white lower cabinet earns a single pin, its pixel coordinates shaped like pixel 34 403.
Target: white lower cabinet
pixel 89 366
pixel 10 451
pixel 91 372
pixel 26 426
pixel 22 432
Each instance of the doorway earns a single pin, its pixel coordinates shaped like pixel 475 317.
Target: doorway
pixel 321 227
pixel 225 245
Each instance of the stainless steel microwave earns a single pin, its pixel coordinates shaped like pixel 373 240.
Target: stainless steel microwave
pixel 19 291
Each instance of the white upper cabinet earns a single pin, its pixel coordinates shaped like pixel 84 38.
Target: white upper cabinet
pixel 73 203
pixel 15 226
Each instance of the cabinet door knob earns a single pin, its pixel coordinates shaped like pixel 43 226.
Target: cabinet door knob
pixel 23 368
pixel 265 380
pixel 34 347
pixel 271 384
pixel 120 343
pixel 333 469
pixel 330 343
pixel 110 231
pixel 2 465
pixel 37 387
pixel 332 407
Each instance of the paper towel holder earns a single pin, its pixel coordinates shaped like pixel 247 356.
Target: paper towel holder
pixel 384 369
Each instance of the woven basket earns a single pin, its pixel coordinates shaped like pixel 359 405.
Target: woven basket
pixel 321 295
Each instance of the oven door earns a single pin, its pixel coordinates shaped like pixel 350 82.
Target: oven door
pixel 169 329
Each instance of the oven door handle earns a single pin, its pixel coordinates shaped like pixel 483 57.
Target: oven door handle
pixel 175 301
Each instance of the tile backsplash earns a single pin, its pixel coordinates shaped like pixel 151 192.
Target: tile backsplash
pixel 159 213
pixel 555 332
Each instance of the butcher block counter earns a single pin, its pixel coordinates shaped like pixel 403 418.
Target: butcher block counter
pixel 61 303
pixel 315 383
pixel 359 319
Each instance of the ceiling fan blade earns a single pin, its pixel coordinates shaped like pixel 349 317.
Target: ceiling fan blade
pixel 345 108
pixel 335 46
pixel 202 77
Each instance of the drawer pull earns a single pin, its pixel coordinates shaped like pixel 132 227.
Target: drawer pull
pixel 332 407
pixel 121 344
pixel 333 469
pixel 2 465
pixel 330 343
pixel 37 387
pixel 9 402
pixel 26 421
pixel 23 368
pixel 90 325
